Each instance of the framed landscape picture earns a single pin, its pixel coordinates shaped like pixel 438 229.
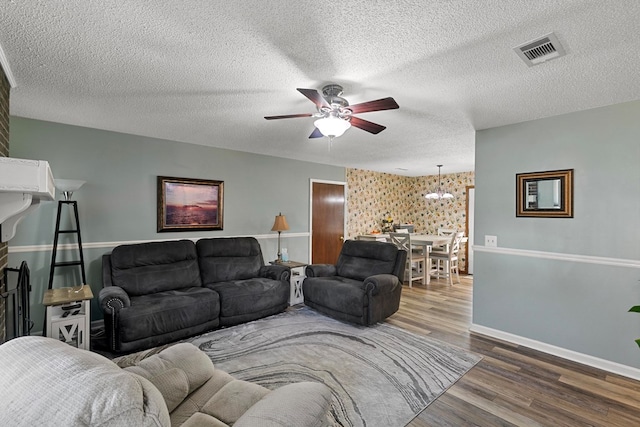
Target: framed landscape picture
pixel 186 204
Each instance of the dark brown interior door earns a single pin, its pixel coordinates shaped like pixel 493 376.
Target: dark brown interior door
pixel 327 227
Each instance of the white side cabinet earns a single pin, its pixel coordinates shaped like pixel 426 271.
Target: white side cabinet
pixel 68 315
pixel 297 277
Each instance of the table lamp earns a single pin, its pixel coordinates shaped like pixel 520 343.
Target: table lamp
pixel 280 225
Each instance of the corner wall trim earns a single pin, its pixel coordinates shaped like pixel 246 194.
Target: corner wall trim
pixel 588 259
pixel 4 62
pixel 585 359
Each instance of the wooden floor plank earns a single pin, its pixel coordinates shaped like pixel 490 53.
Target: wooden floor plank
pixel 501 411
pixel 605 390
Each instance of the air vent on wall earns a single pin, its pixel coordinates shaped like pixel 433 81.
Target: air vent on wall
pixel 540 50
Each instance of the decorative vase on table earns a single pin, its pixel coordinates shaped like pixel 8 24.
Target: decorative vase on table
pixel 387 223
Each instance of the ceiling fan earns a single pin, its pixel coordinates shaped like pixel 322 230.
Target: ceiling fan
pixel 335 115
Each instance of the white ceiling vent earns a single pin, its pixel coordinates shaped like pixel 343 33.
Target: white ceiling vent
pixel 540 50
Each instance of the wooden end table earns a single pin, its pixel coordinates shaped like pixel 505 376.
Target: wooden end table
pixel 68 315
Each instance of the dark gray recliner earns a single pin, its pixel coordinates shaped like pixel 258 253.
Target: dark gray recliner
pixel 364 287
pixel 234 268
pixel 152 295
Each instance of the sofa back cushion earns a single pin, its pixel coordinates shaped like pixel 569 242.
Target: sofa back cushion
pixel 147 268
pixel 226 259
pixel 360 259
pixel 176 371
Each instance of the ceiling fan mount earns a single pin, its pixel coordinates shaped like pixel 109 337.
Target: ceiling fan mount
pixel 332 93
pixel 332 107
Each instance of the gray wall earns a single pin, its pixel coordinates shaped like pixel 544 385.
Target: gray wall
pixel 574 292
pixel 118 202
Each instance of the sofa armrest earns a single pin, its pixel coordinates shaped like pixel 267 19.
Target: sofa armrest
pixel 380 284
pixel 304 404
pixel 320 270
pixel 112 299
pixel 275 272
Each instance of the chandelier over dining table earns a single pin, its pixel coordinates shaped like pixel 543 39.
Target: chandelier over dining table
pixel 439 193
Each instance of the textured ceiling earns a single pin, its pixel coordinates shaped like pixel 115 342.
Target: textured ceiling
pixel 206 72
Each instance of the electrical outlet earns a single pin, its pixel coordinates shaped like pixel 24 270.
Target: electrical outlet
pixel 491 241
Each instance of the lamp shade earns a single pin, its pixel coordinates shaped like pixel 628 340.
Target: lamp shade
pixel 332 126
pixel 68 186
pixel 280 224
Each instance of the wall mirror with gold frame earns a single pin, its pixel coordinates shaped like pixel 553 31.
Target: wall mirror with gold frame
pixel 545 194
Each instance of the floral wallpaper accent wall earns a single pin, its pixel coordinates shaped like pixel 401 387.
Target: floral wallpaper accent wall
pixel 373 195
pixel 444 213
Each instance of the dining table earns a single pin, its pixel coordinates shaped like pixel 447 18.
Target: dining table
pixel 424 241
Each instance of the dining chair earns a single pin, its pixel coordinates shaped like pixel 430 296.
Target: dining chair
pixel 419 258
pixel 445 263
pixel 368 238
pixel 444 232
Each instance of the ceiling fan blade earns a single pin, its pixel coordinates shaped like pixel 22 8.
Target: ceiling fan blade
pixel 371 127
pixel 377 105
pixel 288 116
pixel 315 97
pixel 316 134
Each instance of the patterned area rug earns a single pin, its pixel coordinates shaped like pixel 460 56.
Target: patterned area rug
pixel 379 375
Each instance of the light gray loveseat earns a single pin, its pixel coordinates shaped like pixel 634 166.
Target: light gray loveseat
pixel 44 382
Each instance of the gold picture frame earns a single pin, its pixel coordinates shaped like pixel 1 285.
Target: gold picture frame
pixel 186 204
pixel 545 194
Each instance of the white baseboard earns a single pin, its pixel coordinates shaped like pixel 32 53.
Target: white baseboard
pixel 585 359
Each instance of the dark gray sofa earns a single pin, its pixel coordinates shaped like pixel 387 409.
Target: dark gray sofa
pixel 160 292
pixel 364 287
pixel 235 270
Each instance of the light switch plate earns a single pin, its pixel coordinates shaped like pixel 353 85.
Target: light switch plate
pixel 491 241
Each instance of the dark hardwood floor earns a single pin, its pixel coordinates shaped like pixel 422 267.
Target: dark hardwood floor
pixel 511 385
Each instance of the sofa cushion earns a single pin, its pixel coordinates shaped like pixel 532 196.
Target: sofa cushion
pixel 47 382
pixel 171 383
pixel 226 259
pixel 282 406
pixel 361 259
pixel 147 268
pixel 200 420
pixel 233 400
pixel 337 293
pixel 163 312
pixel 241 297
pixel 176 371
pixel 200 397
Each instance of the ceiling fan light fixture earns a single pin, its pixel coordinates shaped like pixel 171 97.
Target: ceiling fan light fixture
pixel 332 126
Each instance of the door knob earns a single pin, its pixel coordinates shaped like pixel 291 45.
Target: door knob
pixel 342 238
